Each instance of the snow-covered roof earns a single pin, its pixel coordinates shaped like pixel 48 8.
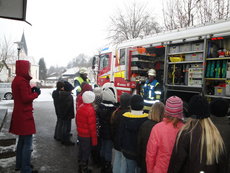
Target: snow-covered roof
pixel 71 71
pixel 52 78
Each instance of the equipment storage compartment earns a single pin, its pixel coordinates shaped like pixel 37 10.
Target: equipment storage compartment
pixel 217 74
pixel 145 58
pixel 188 70
pixel 174 49
pixel 198 46
pixel 185 47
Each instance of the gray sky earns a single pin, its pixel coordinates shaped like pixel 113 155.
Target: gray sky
pixel 62 29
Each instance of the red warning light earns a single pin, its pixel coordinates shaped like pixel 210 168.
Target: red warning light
pixel 217 38
pixel 159 46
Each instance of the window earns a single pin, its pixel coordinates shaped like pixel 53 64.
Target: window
pixel 122 57
pixel 104 61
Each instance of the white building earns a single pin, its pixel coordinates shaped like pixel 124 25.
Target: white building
pixel 22 56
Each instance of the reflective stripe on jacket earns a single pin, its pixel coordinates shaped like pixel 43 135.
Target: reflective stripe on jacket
pixel 78 81
pixel 149 89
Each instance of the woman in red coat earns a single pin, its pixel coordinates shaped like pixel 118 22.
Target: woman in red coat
pixel 22 122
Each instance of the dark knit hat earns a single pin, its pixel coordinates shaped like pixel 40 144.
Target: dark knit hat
pixel 68 86
pixel 198 107
pixel 219 107
pixel 137 102
pixel 125 100
pixel 59 85
pixel 174 107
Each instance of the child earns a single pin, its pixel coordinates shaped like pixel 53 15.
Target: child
pixel 156 114
pixel 106 108
pixel 95 154
pixel 130 124
pixel 86 129
pixel 163 136
pixel 119 164
pixel 66 112
pixel 199 146
pixel 219 109
pixel 85 87
pixel 55 95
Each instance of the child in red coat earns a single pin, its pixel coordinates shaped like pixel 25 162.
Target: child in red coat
pixel 86 129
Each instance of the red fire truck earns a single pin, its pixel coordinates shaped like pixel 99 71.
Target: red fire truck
pixel 188 61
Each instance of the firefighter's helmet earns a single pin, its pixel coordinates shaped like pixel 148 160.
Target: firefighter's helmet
pixel 83 70
pixel 152 72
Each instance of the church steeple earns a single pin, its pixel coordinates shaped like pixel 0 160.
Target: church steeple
pixel 23 44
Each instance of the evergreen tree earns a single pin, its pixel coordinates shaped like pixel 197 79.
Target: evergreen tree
pixel 42 69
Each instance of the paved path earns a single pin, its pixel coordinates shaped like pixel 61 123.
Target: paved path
pixel 49 156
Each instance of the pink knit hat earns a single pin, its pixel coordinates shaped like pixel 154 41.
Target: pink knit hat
pixel 174 107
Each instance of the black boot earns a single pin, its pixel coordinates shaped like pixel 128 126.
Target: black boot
pixel 84 168
pixel 79 166
pixel 108 167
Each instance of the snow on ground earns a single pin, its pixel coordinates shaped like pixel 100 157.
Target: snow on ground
pixel 8 162
pixel 46 95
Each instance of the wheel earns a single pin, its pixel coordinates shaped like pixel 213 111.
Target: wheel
pixel 8 96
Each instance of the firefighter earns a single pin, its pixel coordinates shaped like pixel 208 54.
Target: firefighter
pixel 151 91
pixel 80 79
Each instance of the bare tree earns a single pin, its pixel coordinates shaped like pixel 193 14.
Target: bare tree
pixel 185 13
pixel 179 13
pixel 81 60
pixel 212 10
pixel 7 51
pixel 131 23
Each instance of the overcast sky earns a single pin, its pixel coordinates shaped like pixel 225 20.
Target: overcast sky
pixel 62 29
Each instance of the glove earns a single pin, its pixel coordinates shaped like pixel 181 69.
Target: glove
pixel 36 89
pixel 33 89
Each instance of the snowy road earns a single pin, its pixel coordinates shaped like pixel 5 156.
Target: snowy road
pixel 49 156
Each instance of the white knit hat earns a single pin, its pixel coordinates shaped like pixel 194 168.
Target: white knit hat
pixel 88 97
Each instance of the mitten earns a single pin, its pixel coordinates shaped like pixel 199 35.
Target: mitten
pixel 38 91
pixel 33 89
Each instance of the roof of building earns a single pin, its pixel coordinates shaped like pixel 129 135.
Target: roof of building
pixel 71 71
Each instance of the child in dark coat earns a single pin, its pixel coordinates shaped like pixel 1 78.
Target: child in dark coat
pixel 66 112
pixel 219 110
pixel 106 108
pixel 156 114
pixel 55 95
pixel 130 124
pixel 119 164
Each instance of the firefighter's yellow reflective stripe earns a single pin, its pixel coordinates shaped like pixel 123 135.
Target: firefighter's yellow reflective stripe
pixel 129 115
pixel 158 97
pixel 120 74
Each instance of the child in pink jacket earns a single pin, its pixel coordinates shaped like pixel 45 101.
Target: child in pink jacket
pixel 163 136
